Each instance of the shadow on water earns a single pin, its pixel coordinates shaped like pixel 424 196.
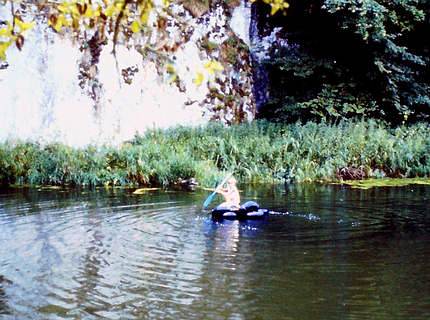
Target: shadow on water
pixel 325 252
pixel 4 309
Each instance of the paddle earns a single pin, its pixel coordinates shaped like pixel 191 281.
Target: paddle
pixel 212 195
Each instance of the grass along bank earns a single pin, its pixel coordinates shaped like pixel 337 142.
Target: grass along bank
pixel 256 152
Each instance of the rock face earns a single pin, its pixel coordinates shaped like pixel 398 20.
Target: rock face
pixel 192 68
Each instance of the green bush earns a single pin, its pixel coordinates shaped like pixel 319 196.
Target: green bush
pixel 351 58
pixel 255 152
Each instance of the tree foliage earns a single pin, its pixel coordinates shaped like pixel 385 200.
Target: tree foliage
pixel 373 53
pixel 123 21
pixel 154 28
pixel 117 20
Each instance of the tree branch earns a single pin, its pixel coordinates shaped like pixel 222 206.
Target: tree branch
pixel 117 25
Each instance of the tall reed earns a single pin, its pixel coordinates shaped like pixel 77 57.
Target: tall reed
pixel 255 152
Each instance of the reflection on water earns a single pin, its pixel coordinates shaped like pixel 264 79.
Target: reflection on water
pixel 326 252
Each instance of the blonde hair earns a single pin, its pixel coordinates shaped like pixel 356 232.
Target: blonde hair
pixel 232 180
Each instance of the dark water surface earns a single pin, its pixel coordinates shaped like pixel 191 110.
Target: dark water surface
pixel 330 253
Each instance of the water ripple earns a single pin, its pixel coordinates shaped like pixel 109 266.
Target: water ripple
pixel 96 255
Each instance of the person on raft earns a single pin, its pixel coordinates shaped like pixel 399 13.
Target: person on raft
pixel 230 193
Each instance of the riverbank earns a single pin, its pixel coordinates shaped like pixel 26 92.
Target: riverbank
pixel 259 152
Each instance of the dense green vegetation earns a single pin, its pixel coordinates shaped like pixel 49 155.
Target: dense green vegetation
pixel 348 58
pixel 257 152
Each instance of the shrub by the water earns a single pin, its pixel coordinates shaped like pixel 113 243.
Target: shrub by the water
pixel 256 152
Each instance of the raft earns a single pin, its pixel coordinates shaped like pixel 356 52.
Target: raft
pixel 249 210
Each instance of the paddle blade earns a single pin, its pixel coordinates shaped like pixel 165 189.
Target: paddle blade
pixel 209 200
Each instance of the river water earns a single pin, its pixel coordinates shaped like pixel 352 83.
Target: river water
pixel 327 252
